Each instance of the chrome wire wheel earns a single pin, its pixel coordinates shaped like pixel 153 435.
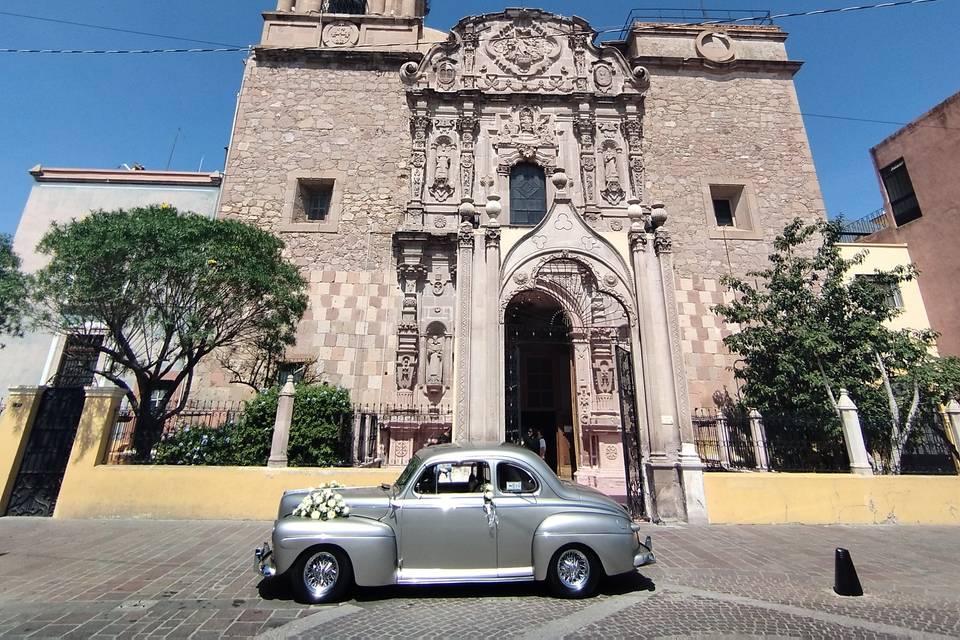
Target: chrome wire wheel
pixel 320 574
pixel 573 569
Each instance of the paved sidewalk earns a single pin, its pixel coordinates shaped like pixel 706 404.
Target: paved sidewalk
pixel 150 579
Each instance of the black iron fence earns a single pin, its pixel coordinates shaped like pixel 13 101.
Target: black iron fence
pixel 927 450
pixel 737 442
pixel 868 225
pixel 215 433
pixel 198 416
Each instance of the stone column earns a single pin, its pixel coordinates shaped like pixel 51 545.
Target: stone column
pixel 16 422
pixel 758 434
pixel 285 5
pixel 309 6
pixel 853 436
pixel 464 331
pixel 375 7
pixel 953 417
pixel 494 428
pixel 281 427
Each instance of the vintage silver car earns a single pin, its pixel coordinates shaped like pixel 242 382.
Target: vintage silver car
pixel 458 514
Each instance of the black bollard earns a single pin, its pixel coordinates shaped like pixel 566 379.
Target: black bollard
pixel 845 580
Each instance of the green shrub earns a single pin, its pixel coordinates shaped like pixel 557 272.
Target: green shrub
pixel 315 434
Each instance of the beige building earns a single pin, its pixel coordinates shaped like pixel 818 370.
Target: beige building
pixel 60 195
pixel 512 227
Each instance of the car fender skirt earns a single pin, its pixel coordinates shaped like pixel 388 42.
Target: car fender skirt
pixel 370 545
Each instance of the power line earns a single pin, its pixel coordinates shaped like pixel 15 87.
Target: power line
pixel 598 32
pixel 124 51
pixel 114 29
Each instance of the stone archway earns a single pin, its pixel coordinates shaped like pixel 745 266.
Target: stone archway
pixel 566 317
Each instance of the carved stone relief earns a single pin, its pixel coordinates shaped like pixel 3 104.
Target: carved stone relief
pixel 523 47
pixel 443 150
pixel 613 188
pixel 341 34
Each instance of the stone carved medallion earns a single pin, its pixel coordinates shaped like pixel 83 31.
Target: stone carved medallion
pixel 523 48
pixel 715 47
pixel 440 222
pixel 341 34
pixel 603 77
pixel 446 74
pixel 611 452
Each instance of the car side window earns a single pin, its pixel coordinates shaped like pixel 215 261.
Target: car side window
pixel 453 477
pixel 514 479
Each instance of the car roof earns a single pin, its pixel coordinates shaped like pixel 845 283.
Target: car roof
pixel 481 451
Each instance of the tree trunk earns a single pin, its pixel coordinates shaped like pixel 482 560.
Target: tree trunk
pixel 146 433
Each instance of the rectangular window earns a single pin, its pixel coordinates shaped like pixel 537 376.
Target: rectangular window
pixel 313 200
pixel 894 299
pixel 730 206
pixel 903 200
pixel 723 211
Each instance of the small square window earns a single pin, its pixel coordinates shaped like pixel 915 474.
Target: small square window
pixel 313 200
pixel 729 206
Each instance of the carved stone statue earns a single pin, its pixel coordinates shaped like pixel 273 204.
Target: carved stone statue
pixel 406 366
pixel 613 191
pixel 435 360
pixel 442 189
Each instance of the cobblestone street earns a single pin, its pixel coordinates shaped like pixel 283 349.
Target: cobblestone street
pixel 150 579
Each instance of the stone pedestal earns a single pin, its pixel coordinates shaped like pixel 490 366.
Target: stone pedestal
pixel 853 436
pixel 281 426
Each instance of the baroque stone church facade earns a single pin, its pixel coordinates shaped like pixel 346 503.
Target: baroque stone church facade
pixel 520 229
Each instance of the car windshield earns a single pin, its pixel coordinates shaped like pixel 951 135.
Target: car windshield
pixel 407 474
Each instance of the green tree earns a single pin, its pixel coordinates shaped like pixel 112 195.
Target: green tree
pixel 806 329
pixel 165 289
pixel 13 290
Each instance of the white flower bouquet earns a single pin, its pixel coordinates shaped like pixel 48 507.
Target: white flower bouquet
pixel 323 503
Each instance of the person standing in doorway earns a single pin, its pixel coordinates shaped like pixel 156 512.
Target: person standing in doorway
pixel 543 444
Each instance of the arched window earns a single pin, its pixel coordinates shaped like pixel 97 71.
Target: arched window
pixel 528 194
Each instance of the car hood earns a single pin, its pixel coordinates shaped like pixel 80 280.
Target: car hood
pixel 370 502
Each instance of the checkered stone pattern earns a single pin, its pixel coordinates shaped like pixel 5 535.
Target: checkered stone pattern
pixel 708 361
pixel 350 331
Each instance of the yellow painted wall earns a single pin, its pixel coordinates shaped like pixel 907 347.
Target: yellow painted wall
pixel 207 493
pixel 806 498
pixel 885 257
pixel 93 490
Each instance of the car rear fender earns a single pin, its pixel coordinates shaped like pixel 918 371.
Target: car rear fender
pixel 370 545
pixel 608 536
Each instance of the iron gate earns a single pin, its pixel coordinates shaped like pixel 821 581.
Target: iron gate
pixel 632 452
pixel 37 486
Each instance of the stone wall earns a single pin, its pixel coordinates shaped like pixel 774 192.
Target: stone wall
pixel 346 120
pixel 702 128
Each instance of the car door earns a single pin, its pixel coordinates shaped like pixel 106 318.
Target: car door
pixel 446 530
pixel 519 512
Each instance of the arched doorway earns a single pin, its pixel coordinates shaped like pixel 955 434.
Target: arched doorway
pixel 539 379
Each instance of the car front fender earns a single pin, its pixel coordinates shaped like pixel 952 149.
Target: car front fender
pixel 371 545
pixel 608 536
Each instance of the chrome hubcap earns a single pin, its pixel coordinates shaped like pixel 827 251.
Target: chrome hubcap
pixel 573 569
pixel 320 573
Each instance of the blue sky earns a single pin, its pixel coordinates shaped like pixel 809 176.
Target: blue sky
pixel 101 111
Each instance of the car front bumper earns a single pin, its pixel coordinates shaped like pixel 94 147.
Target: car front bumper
pixel 263 561
pixel 644 554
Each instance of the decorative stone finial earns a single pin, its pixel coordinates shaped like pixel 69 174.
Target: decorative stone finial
pixel 409 71
pixel 290 388
pixel 635 212
pixel 559 179
pixel 658 215
pixel 467 210
pixel 494 208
